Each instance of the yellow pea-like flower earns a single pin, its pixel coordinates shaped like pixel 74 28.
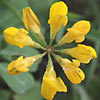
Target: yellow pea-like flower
pixel 76 33
pixel 51 84
pixel 22 64
pixel 82 53
pixel 19 37
pixel 71 69
pixel 31 21
pixel 57 17
pixel 74 74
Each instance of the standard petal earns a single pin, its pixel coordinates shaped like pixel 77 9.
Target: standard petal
pixel 76 33
pixel 31 21
pixel 57 17
pixel 55 24
pixel 82 53
pixel 51 84
pixel 58 8
pixel 82 26
pixel 48 89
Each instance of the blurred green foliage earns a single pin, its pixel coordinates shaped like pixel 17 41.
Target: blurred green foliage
pixel 26 86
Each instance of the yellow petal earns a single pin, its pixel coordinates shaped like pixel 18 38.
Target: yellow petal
pixel 56 23
pixel 81 74
pixel 51 84
pixel 18 37
pixel 71 69
pixel 22 69
pixel 74 74
pixel 12 70
pixel 22 64
pixel 76 33
pixel 48 89
pixel 82 53
pixel 77 63
pixel 82 26
pixel 61 85
pixel 58 8
pixel 31 21
pixel 57 16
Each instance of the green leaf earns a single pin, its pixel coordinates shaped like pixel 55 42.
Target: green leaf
pixel 8 19
pixel 5 94
pixel 33 93
pixel 11 51
pixel 19 83
pixel 12 11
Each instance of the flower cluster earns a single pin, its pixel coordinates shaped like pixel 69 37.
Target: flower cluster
pixel 57 18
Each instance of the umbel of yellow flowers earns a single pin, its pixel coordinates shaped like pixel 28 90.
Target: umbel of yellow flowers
pixel 80 54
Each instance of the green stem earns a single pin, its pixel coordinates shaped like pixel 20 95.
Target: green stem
pixel 58 58
pixel 56 45
pixel 43 54
pixel 52 37
pixel 36 38
pixel 50 61
pixel 54 55
pixel 40 56
pixel 43 39
pixel 60 51
pixel 51 41
pixel 39 46
pixel 60 43
pixel 49 57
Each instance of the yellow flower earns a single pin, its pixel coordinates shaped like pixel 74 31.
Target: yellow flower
pixel 82 53
pixel 51 84
pixel 57 17
pixel 71 69
pixel 19 37
pixel 74 74
pixel 22 64
pixel 31 21
pixel 76 33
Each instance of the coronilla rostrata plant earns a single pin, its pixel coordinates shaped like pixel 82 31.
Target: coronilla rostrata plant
pixel 57 18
